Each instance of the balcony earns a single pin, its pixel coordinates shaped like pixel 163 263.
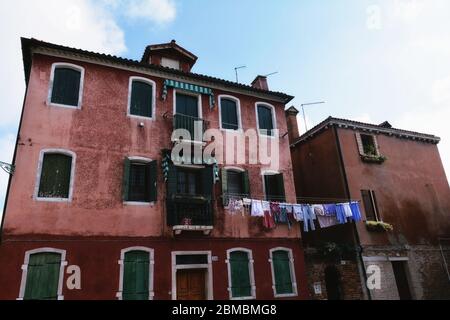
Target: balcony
pixel 190 213
pixel 181 121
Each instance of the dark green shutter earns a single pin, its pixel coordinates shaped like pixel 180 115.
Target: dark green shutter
pixel 43 276
pixel 225 187
pixel 282 272
pixel 280 186
pixel 136 276
pixel 172 180
pixel 265 119
pixel 240 274
pixel 208 182
pixel 126 179
pixel 153 190
pixel 66 86
pixel 245 184
pixel 229 114
pixel 141 99
pixel 55 176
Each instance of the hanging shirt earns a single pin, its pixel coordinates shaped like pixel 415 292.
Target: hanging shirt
pixel 327 221
pixel 265 206
pixel 318 209
pixel 268 221
pixel 330 209
pixel 308 217
pixel 340 213
pixel 257 209
pixel 275 210
pixel 355 211
pixel 298 212
pixel 347 210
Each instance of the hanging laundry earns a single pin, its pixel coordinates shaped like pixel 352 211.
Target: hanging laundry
pixel 340 213
pixel 276 211
pixel 284 215
pixel 298 212
pixel 330 209
pixel 247 206
pixel 257 209
pixel 235 206
pixel 347 210
pixel 308 217
pixel 318 209
pixel 355 211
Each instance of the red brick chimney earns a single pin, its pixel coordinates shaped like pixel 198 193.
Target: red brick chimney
pixel 292 125
pixel 260 82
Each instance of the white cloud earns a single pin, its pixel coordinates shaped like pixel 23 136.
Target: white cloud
pixel 160 11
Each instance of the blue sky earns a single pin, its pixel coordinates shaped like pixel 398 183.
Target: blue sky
pixel 371 60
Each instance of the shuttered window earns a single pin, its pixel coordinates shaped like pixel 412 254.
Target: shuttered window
pixel 187 105
pixel 66 86
pixel 229 114
pixel 43 276
pixel 234 183
pixel 282 272
pixel 136 275
pixel 141 102
pixel 241 286
pixel 55 176
pixel 274 187
pixel 139 181
pixel 370 205
pixel 265 120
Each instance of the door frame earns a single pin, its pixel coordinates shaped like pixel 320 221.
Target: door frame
pixel 207 267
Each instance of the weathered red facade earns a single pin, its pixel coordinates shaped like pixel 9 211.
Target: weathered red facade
pixel 96 224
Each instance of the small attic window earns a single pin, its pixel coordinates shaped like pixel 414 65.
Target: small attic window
pixel 170 63
pixel 369 145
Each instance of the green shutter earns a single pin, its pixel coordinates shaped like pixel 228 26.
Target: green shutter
pixel 240 274
pixel 208 182
pixel 245 184
pixel 172 180
pixel 66 86
pixel 43 276
pixel 153 190
pixel 225 198
pixel 141 99
pixel 126 179
pixel 282 272
pixel 136 276
pixel 55 176
pixel 280 186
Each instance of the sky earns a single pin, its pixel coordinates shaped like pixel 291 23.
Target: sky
pixel 369 60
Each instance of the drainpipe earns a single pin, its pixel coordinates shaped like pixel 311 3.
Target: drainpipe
pixel 356 239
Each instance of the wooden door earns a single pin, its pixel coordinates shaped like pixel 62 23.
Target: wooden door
pixel 191 284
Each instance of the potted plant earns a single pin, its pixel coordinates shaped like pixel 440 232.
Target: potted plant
pixel 378 226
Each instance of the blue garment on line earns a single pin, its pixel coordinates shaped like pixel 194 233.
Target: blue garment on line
pixel 340 214
pixel 284 215
pixel 355 211
pixel 330 209
pixel 308 218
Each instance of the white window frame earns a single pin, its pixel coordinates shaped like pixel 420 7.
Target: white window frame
pixel 170 63
pixel 23 282
pixel 52 78
pixel 151 267
pixel 292 271
pixel 39 173
pixel 238 111
pixel 250 270
pixel 208 267
pixel 142 160
pixel 130 89
pixel 268 173
pixel 274 119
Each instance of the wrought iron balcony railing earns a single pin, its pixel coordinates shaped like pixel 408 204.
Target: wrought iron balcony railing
pixel 189 211
pixel 181 121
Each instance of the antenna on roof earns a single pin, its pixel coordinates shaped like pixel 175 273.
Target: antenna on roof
pixel 236 71
pixel 270 74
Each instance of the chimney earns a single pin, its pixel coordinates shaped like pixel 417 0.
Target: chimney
pixel 260 82
pixel 292 124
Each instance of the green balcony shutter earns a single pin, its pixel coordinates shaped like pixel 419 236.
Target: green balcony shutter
pixel 43 276
pixel 141 99
pixel 126 179
pixel 240 274
pixel 136 276
pixel 208 182
pixel 282 272
pixel 66 86
pixel 153 190
pixel 245 183
pixel 280 188
pixel 172 180
pixel 225 198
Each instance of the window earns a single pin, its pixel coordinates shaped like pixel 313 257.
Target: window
pixel 367 145
pixel 266 119
pixel 187 105
pixel 66 85
pixel 283 274
pixel 274 187
pixel 170 63
pixel 55 175
pixel 240 274
pixel 42 275
pixel 139 182
pixel 189 182
pixel 141 98
pixel 234 183
pixel 136 274
pixel 229 113
pixel 370 205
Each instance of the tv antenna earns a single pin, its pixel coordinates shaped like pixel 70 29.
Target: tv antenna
pixel 236 71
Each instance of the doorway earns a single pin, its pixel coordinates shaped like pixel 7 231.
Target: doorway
pixel 333 283
pixel 401 279
pixel 191 284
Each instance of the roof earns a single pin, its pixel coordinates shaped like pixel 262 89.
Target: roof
pixel 29 44
pixel 367 127
pixel 164 46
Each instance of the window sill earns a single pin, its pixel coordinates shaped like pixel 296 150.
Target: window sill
pixel 239 131
pixel 133 116
pixel 286 295
pixel 136 203
pixel 58 105
pixel 205 229
pixel 243 298
pixel 41 199
pixel 373 159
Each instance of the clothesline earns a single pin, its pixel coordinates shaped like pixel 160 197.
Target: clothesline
pixel 313 200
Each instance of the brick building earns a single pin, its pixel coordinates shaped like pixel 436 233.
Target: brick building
pixel 95 195
pixel 399 180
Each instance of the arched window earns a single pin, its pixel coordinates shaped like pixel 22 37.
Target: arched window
pixel 265 115
pixel 241 277
pixel 141 97
pixel 230 113
pixel 66 85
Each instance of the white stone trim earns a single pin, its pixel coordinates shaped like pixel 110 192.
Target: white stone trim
pixel 130 89
pixel 209 277
pixel 52 77
pixel 28 253
pixel 250 270
pixel 292 270
pixel 238 111
pixel 235 169
pixel 151 266
pixel 274 119
pixel 39 172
